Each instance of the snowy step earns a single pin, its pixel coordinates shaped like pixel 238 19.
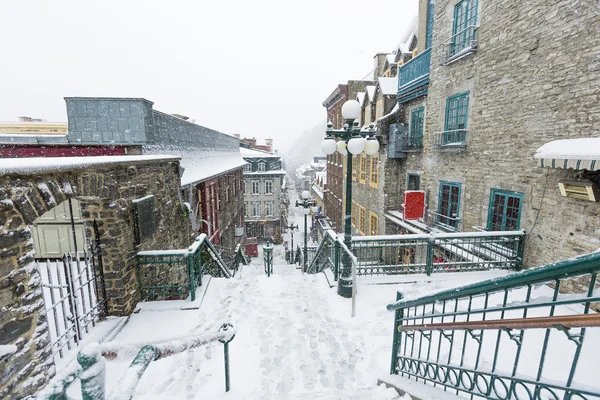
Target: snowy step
pixel 372 393
pixel 415 390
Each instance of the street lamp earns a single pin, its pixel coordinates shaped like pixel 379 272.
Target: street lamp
pixel 355 140
pixel 307 203
pixel 291 228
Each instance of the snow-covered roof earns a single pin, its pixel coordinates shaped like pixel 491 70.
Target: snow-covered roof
pixel 408 36
pixel 200 166
pixel 360 97
pixel 388 86
pixel 391 58
pixel 394 111
pixel 253 153
pixel 370 92
pixel 570 153
pixel 36 165
pixel 274 172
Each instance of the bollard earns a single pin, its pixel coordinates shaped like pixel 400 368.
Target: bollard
pixel 93 372
pixel 268 258
pixel 225 327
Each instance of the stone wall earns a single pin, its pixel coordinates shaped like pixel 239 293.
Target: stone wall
pixel 105 193
pixel 534 78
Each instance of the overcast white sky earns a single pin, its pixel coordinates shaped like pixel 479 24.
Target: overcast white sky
pixel 259 68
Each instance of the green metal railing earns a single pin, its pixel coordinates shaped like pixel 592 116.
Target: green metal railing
pixel 515 337
pixel 240 257
pixel 326 255
pixel 90 368
pixel 433 253
pixel 413 75
pixel 175 274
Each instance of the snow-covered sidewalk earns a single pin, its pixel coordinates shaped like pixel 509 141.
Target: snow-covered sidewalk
pixel 295 339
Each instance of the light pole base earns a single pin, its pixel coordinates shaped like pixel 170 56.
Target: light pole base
pixel 344 288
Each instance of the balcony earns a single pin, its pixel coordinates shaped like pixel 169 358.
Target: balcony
pixel 413 77
pixel 460 45
pixel 454 140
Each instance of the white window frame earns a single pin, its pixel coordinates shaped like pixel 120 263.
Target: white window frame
pixel 255 211
pixel 268 183
pixel 269 205
pixel 248 167
pixel 262 167
pixel 252 183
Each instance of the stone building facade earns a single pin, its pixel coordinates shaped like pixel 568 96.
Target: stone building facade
pixel 105 188
pixel 503 88
pixel 263 194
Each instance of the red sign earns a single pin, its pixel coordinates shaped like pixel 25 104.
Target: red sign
pixel 414 204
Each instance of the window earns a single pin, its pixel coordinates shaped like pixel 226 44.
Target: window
pixel 255 187
pixel 362 219
pixel 362 172
pixel 245 192
pixel 374 175
pixel 261 167
pixel 505 210
pixel 256 208
pixel 373 224
pixel 457 110
pixel 353 213
pixel 227 194
pixel 415 138
pixel 245 209
pixel 269 187
pixel 429 32
pixel 269 208
pixel 248 168
pixel 463 30
pixel 449 204
pixel 413 182
pixel 355 162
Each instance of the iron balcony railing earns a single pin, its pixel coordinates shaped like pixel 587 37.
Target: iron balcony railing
pixel 90 368
pixel 175 274
pixel 414 75
pixel 448 223
pixel 426 253
pixel 515 337
pixel 415 141
pixel 455 139
pixel 460 44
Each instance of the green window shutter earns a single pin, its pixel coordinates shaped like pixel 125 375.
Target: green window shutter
pixel 416 127
pixel 504 212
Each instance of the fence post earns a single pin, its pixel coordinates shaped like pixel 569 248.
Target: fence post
pixel 336 260
pixel 190 262
pixel 225 327
pixel 398 315
pixel 429 266
pixel 92 374
pixel 72 295
pixel 520 251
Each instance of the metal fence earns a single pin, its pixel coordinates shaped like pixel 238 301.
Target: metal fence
pixel 74 295
pixel 175 274
pixel 326 255
pixel 516 337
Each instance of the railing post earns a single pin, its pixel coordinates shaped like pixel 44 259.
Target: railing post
pixel 336 260
pixel 190 260
pixel 429 266
pixel 92 374
pixel 225 327
pixel 398 315
pixel 520 251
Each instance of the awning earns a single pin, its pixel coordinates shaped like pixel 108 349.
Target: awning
pixel 577 154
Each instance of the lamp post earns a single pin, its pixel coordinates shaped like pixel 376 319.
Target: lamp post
pixel 353 140
pixel 291 228
pixel 307 204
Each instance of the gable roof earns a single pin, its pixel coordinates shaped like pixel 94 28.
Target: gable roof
pixel 360 97
pixel 388 86
pixel 253 153
pixel 370 93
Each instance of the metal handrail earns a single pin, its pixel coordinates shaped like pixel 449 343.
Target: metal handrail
pixel 470 27
pixel 329 237
pixel 581 265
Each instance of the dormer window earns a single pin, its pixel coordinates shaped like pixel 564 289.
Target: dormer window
pixel 261 167
pixel 248 168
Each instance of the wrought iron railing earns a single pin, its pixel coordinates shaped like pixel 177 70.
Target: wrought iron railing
pixel 449 140
pixel 175 274
pixel 90 368
pixel 326 255
pixel 240 257
pixel 460 44
pixel 414 74
pixel 441 252
pixel 517 337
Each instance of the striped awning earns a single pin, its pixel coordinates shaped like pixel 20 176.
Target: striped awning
pixel 576 154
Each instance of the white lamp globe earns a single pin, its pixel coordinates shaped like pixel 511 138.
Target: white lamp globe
pixel 306 211
pixel 314 209
pixel 328 145
pixel 356 145
pixel 305 194
pixel 372 146
pixel 351 109
pixel 341 148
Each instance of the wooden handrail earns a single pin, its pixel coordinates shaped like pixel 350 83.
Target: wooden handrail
pixel 566 321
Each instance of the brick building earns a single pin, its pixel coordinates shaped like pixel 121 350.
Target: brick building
pixel 490 86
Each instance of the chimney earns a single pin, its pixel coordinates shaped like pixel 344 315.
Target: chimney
pixel 379 65
pixel 269 144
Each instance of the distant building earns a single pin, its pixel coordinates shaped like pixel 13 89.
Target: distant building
pixel 251 143
pixel 263 194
